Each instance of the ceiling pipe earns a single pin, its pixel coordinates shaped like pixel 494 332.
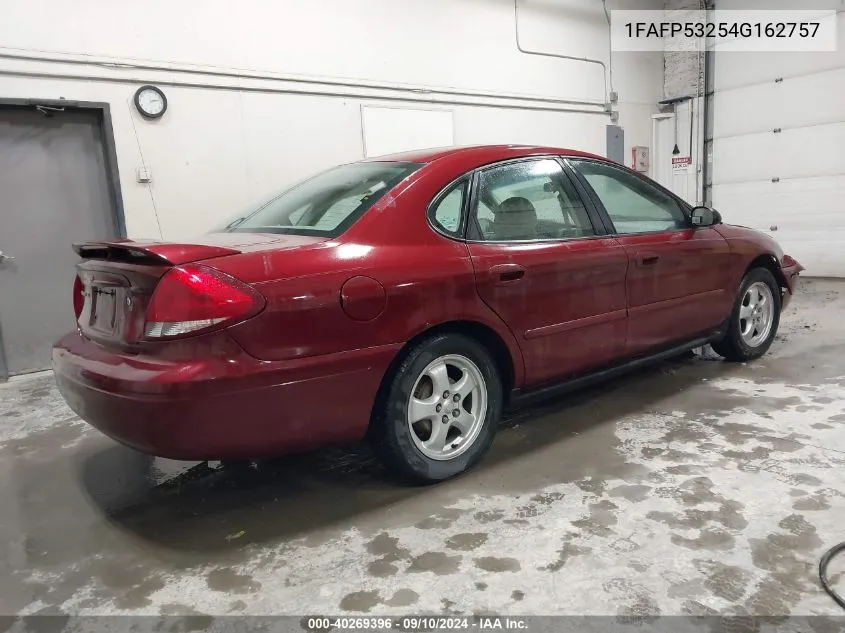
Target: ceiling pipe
pixel 414 93
pixel 561 55
pixel 271 89
pixel 609 48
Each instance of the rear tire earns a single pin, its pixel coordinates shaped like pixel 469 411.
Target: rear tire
pixel 440 410
pixel 754 320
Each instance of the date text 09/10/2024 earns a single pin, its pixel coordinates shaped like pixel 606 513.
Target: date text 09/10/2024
pixel 412 623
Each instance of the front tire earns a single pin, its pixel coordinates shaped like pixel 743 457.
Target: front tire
pixel 754 320
pixel 440 410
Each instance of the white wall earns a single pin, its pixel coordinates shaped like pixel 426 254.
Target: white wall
pixel 253 100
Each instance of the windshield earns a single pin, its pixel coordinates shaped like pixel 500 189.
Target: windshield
pixel 324 205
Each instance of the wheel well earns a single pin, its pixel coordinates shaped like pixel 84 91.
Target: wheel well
pixel 771 264
pixel 481 333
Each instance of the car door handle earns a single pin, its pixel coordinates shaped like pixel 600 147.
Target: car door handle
pixel 647 259
pixel 506 273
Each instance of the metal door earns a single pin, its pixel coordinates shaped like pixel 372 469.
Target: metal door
pixel 669 129
pixel 55 191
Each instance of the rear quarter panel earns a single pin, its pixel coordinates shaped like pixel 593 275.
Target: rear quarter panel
pixel 427 280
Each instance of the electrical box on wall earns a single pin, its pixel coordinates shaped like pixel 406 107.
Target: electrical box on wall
pixel 143 174
pixel 639 159
pixel 615 143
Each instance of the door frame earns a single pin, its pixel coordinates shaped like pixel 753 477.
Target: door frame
pixel 653 157
pixel 102 111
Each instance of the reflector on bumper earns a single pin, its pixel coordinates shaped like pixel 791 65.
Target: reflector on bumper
pixel 157 329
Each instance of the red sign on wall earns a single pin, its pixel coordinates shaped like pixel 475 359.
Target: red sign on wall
pixel 680 163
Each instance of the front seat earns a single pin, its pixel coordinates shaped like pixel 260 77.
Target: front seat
pixel 516 219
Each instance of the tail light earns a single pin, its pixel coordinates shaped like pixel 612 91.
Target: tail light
pixel 192 298
pixel 78 296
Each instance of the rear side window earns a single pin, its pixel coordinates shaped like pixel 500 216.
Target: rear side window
pixel 324 205
pixel 529 200
pixel 447 211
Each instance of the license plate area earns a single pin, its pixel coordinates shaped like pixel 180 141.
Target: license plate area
pixel 105 295
pixel 104 301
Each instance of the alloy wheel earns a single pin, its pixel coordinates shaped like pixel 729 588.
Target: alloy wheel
pixel 447 407
pixel 756 314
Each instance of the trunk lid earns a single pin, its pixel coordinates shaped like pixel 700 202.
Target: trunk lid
pixel 119 276
pixel 115 296
pixel 176 253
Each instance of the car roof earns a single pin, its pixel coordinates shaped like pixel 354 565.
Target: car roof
pixel 480 154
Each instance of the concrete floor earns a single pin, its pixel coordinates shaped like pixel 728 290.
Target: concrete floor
pixel 697 487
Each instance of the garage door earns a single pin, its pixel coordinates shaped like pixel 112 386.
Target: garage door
pixel 55 191
pixel 779 150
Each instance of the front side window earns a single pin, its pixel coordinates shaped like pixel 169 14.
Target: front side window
pixel 633 205
pixel 529 200
pixel 326 204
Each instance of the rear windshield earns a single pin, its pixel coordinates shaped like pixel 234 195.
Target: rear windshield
pixel 324 205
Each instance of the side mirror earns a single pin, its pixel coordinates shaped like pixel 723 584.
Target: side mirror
pixel 705 216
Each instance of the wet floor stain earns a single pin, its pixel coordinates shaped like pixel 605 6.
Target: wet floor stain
pixel 728 582
pixel 403 598
pixel 438 563
pixel 489 516
pixel 564 554
pixel 467 541
pixel 707 539
pixel 601 519
pixel 814 503
pixel 633 493
pixel 362 601
pixel 497 565
pixel 389 554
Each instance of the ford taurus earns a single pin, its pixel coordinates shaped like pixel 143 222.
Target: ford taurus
pixel 408 299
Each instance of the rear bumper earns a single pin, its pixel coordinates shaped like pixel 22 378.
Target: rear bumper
pixel 231 406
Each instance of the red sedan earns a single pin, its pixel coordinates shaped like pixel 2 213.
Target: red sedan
pixel 408 299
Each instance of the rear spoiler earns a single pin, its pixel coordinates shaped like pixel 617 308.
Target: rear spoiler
pixel 153 253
